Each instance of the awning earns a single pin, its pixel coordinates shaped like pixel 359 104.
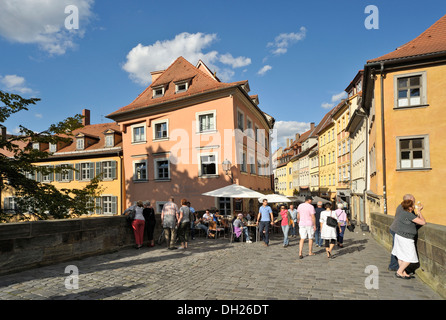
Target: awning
pixel 234 191
pixel 274 198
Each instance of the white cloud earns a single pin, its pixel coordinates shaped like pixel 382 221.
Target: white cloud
pixel 335 99
pixel 234 62
pixel 14 84
pixel 288 129
pixel 39 115
pixel 284 40
pixel 264 70
pixel 42 22
pixel 141 60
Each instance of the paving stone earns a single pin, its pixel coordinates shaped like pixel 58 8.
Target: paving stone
pixel 215 269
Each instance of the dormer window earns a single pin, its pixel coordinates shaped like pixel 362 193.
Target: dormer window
pixel 181 86
pixel 80 143
pixel 53 147
pixel 36 145
pixel 158 92
pixel 109 140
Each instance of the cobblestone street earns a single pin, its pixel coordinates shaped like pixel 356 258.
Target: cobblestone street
pixel 215 269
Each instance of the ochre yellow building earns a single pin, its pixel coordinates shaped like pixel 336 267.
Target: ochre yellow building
pixel 96 149
pixel 405 96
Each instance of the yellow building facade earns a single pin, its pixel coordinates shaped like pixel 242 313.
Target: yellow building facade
pixel 327 159
pixel 405 98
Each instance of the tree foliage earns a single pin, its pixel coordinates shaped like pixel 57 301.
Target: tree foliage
pixel 42 199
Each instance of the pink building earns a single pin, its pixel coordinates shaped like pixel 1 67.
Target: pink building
pixel 180 129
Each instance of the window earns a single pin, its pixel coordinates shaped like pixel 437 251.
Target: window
pixel 224 204
pixel 48 175
pixel 410 90
pixel 158 92
pixel 181 86
pixel 208 164
pixel 80 143
pixel 36 145
pixel 252 164
pixel 206 121
pixel 162 169
pixel 161 130
pixel 10 203
pixel 106 205
pixel 240 121
pixel 140 170
pixel 85 171
pixel 138 133
pixel 109 140
pixel 53 147
pixel 107 168
pixel 249 128
pixel 413 152
pixel 160 205
pixel 66 173
pixel 243 167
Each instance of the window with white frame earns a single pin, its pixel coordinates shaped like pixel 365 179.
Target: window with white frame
pixel 140 170
pixel 181 86
pixel 413 152
pixel 206 121
pixel 109 140
pixel 208 164
pixel 108 169
pixel 162 169
pixel 85 171
pixel 252 164
pixel 80 143
pixel 53 147
pixel 410 90
pixel 10 203
pixel 243 165
pixel 158 91
pixel 249 128
pixel 160 129
pixel 36 145
pixel 138 133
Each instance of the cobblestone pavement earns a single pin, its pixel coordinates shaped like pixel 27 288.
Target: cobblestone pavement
pixel 215 269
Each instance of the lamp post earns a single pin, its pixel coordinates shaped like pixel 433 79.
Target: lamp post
pixel 227 168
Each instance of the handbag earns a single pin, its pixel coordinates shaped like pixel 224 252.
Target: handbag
pixel 332 222
pixel 351 227
pixel 131 215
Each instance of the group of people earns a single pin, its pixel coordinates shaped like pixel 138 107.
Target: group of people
pixel 143 221
pixel 311 223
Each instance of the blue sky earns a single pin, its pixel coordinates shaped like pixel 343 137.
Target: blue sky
pixel 309 50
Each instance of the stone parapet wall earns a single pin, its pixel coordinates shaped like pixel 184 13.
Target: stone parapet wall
pixel 431 246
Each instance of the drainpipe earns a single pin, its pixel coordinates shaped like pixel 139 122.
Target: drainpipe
pixel 383 140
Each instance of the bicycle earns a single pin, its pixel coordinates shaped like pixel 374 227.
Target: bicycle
pixel 162 237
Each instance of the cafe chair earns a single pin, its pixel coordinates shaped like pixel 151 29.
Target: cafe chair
pixel 214 230
pixel 233 237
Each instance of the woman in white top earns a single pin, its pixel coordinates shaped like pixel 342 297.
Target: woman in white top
pixel 328 233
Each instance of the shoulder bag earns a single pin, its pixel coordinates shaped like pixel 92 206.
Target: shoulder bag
pixel 332 222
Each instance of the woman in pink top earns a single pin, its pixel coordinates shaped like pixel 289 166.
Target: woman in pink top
pixel 286 219
pixel 343 222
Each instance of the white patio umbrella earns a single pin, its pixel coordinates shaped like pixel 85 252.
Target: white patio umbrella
pixel 234 191
pixel 274 198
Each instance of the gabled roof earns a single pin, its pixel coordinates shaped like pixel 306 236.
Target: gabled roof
pixel 201 81
pixel 431 41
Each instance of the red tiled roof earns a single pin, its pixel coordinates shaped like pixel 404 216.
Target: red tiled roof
pixel 433 40
pixel 179 70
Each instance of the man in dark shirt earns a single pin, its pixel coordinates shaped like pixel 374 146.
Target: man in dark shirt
pixel 317 234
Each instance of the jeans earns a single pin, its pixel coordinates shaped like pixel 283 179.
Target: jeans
pixel 393 260
pixel 317 237
pixel 285 230
pixel 183 234
pixel 341 234
pixel 293 230
pixel 264 225
pixel 246 233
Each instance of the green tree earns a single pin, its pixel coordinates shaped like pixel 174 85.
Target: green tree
pixel 44 200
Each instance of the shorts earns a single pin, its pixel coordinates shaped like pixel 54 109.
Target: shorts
pixel 328 242
pixel 306 232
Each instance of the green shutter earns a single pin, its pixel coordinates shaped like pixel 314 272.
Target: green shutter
pixel 114 207
pixel 113 166
pixel 58 174
pixel 70 172
pixel 98 169
pixel 51 173
pixel 98 206
pixel 77 172
pixel 91 165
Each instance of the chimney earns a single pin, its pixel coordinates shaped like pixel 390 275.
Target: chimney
pixel 287 142
pixel 86 118
pixel 297 136
pixel 312 125
pixel 3 136
pixel 155 75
